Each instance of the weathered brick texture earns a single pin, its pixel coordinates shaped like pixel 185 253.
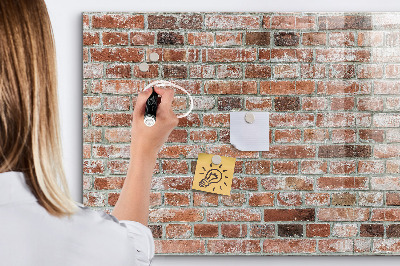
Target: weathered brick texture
pixel 330 183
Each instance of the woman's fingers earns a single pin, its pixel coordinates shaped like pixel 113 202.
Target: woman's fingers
pixel 141 103
pixel 167 96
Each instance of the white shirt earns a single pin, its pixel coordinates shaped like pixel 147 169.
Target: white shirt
pixel 29 235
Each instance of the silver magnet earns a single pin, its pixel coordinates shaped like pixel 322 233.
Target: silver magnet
pixel 154 57
pixel 249 118
pixel 216 159
pixel 144 67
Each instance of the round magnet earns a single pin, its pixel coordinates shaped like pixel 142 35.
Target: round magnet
pixel 154 57
pixel 216 159
pixel 249 117
pixel 143 67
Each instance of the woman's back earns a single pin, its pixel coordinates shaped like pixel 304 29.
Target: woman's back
pixel 87 238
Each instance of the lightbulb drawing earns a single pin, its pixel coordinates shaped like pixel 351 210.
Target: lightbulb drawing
pixel 213 175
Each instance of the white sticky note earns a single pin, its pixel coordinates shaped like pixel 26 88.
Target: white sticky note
pixel 249 136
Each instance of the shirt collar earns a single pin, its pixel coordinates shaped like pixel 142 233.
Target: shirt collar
pixel 13 188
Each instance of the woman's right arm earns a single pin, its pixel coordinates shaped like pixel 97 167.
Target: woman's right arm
pixel 134 200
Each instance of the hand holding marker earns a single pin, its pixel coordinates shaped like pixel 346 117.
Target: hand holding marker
pixel 152 102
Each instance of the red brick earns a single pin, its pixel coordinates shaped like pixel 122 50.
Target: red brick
pixel 111 119
pixel 200 38
pixel 230 55
pixel 386 246
pixel 343 87
pixel 342 39
pixel 370 104
pixel 115 38
pixel 287 135
pixel 85 56
pixel 175 71
pixel 370 38
pixel 340 151
pixel 257 71
pixel 284 246
pixel 232 215
pixel 258 103
pixel 312 71
pixel 232 22
pixel 117 54
pixel 285 167
pixel 314 167
pixel 230 87
pixel 286 87
pixel 216 120
pixel 117 86
pixel 283 38
pixel 342 167
pixel 287 183
pixel 317 199
pixel 92 102
pixel 343 136
pixel 387 151
pixel 92 71
pixel 392 71
pixel 176 199
pixel 288 199
pixel 177 230
pixel 290 151
pixel 370 71
pixel 335 245
pixel 233 246
pixel 345 22
pixel 314 38
pixel 118 21
pixel 189 151
pixel 93 166
pixel 258 38
pixel 228 38
pixel 235 199
pixel 202 71
pixel 318 230
pixel 392 199
pixel 91 38
pixel 289 214
pixel 179 246
pixel 142 38
pixel 205 199
pixel 165 215
pixel 371 230
pixel 262 230
pixel 118 71
pixel 371 167
pixel 230 151
pixel 386 87
pixel 94 199
pixel 386 120
pixel 343 199
pixel 174 183
pixel 174 167
pixel 229 71
pixel 91 135
pixel 340 183
pixel 286 55
pixel 246 183
pixel 86 151
pixel 261 199
pixel 205 230
pixel 286 71
pixel 387 214
pixel 233 230
pixel 85 21
pixel 342 55
pixel 316 135
pixel 343 214
pixel 258 167
pixel 118 167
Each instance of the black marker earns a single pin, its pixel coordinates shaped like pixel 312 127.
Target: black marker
pixel 151 109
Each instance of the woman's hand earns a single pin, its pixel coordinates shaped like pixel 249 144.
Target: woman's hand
pixel 149 140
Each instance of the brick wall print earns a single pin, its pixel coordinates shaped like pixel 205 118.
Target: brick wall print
pixel 330 183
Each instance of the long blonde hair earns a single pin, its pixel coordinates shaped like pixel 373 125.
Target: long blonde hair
pixel 29 125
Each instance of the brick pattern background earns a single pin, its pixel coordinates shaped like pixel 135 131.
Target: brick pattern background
pixel 330 183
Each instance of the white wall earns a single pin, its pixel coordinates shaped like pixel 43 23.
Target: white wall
pixel 66 20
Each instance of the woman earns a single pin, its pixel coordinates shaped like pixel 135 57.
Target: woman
pixel 39 223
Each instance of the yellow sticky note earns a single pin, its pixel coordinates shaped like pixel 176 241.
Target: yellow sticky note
pixel 214 178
